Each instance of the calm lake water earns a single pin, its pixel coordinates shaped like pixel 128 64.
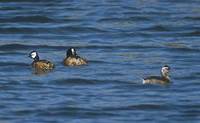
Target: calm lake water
pixel 123 41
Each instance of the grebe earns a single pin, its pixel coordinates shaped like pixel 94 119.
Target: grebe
pixel 163 79
pixel 72 59
pixel 40 65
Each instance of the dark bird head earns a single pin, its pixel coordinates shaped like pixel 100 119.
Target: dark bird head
pixel 71 52
pixel 165 70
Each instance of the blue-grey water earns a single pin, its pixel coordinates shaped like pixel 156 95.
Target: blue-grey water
pixel 123 41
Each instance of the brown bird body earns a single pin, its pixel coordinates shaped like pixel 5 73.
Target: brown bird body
pixel 163 79
pixel 73 59
pixel 156 80
pixel 40 66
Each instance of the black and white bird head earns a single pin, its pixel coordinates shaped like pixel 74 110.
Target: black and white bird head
pixel 165 70
pixel 71 52
pixel 34 55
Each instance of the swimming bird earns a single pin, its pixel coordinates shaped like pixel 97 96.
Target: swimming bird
pixel 40 65
pixel 163 79
pixel 72 59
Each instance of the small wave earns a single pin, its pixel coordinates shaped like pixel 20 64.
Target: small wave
pixel 51 30
pixel 176 45
pixel 192 33
pixel 98 62
pixel 139 18
pixel 22 30
pixel 9 47
pixel 111 20
pixel 194 75
pixel 157 28
pixel 82 29
pixel 13 64
pixel 10 8
pixel 183 49
pixel 77 81
pixel 31 1
pixel 33 19
pixel 129 19
pixel 192 18
pixel 80 112
pixel 138 107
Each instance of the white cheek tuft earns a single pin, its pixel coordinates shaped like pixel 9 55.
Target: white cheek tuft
pixel 33 55
pixel 165 70
pixel 73 51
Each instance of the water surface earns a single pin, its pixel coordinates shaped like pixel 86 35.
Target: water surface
pixel 123 41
